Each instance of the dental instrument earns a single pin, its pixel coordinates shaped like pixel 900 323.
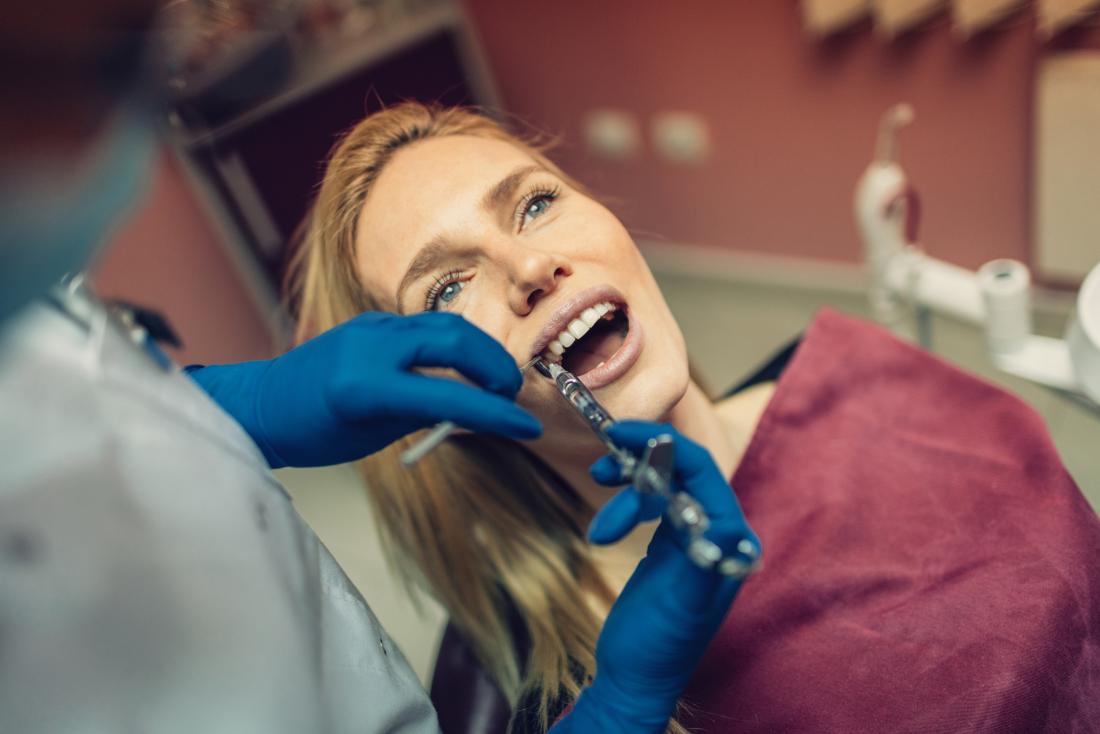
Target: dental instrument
pixel 438 434
pixel 652 474
pixel 996 297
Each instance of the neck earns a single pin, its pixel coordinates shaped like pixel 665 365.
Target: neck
pixel 695 417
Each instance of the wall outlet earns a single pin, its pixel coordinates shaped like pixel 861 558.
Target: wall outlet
pixel 681 137
pixel 613 134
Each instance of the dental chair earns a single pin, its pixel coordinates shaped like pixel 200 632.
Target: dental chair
pixel 465 698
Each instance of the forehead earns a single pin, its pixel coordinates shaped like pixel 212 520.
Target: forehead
pixel 428 189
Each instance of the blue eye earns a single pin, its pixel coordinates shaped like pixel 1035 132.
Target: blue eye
pixel 446 289
pixel 537 205
pixel 450 292
pixel 536 208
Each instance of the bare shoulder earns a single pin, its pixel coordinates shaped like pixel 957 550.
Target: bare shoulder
pixel 741 413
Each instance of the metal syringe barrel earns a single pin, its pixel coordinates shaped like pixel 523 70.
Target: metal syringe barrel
pixel 594 414
pixel 684 511
pixel 579 396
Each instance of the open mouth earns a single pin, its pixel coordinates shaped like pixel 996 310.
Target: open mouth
pixel 590 340
pixel 593 335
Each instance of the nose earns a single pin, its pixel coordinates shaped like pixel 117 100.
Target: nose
pixel 535 275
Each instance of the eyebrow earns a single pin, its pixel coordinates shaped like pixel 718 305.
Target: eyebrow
pixel 505 189
pixel 437 248
pixel 424 262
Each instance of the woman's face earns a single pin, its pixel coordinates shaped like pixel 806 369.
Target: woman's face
pixel 477 227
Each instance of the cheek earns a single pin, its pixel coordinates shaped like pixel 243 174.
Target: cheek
pixel 487 311
pixel 614 245
pixel 662 373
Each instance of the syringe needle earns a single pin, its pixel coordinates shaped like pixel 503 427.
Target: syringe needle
pixel 541 366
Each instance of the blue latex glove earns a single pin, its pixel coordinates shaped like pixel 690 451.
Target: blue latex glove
pixel 352 390
pixel 670 608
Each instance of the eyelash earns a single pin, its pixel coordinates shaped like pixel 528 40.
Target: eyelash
pixel 441 281
pixel 541 192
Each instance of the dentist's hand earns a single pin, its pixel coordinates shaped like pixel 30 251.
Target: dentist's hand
pixel 670 608
pixel 353 390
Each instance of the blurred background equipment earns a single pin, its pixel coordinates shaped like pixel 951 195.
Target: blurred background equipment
pixel 1066 165
pixel 997 297
pixel 895 17
pixel 972 16
pixel 1057 15
pixel 822 17
pixel 262 91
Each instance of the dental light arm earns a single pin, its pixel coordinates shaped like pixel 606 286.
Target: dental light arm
pixel 995 297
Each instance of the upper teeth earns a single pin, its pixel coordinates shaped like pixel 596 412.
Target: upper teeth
pixel 577 328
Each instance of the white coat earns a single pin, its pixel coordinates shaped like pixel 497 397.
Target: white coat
pixel 154 576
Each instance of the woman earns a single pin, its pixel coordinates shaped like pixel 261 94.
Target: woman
pixel 441 209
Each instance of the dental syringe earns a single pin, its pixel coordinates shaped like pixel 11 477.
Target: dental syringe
pixel 585 403
pixel 652 474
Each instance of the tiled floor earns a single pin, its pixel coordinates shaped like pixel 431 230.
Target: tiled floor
pixel 730 328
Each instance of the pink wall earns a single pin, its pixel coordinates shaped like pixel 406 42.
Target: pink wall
pixel 792 119
pixel 167 256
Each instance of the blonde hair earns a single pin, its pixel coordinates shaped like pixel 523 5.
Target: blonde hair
pixel 482 524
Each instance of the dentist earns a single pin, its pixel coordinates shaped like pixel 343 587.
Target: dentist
pixel 154 576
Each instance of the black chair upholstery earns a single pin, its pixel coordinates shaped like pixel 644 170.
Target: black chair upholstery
pixel 465 698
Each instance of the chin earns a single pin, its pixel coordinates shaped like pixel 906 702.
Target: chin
pixel 649 394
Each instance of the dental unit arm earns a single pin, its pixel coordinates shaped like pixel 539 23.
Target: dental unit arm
pixel 652 474
pixel 995 297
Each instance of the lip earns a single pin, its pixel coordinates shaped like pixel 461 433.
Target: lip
pixel 570 310
pixel 624 357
